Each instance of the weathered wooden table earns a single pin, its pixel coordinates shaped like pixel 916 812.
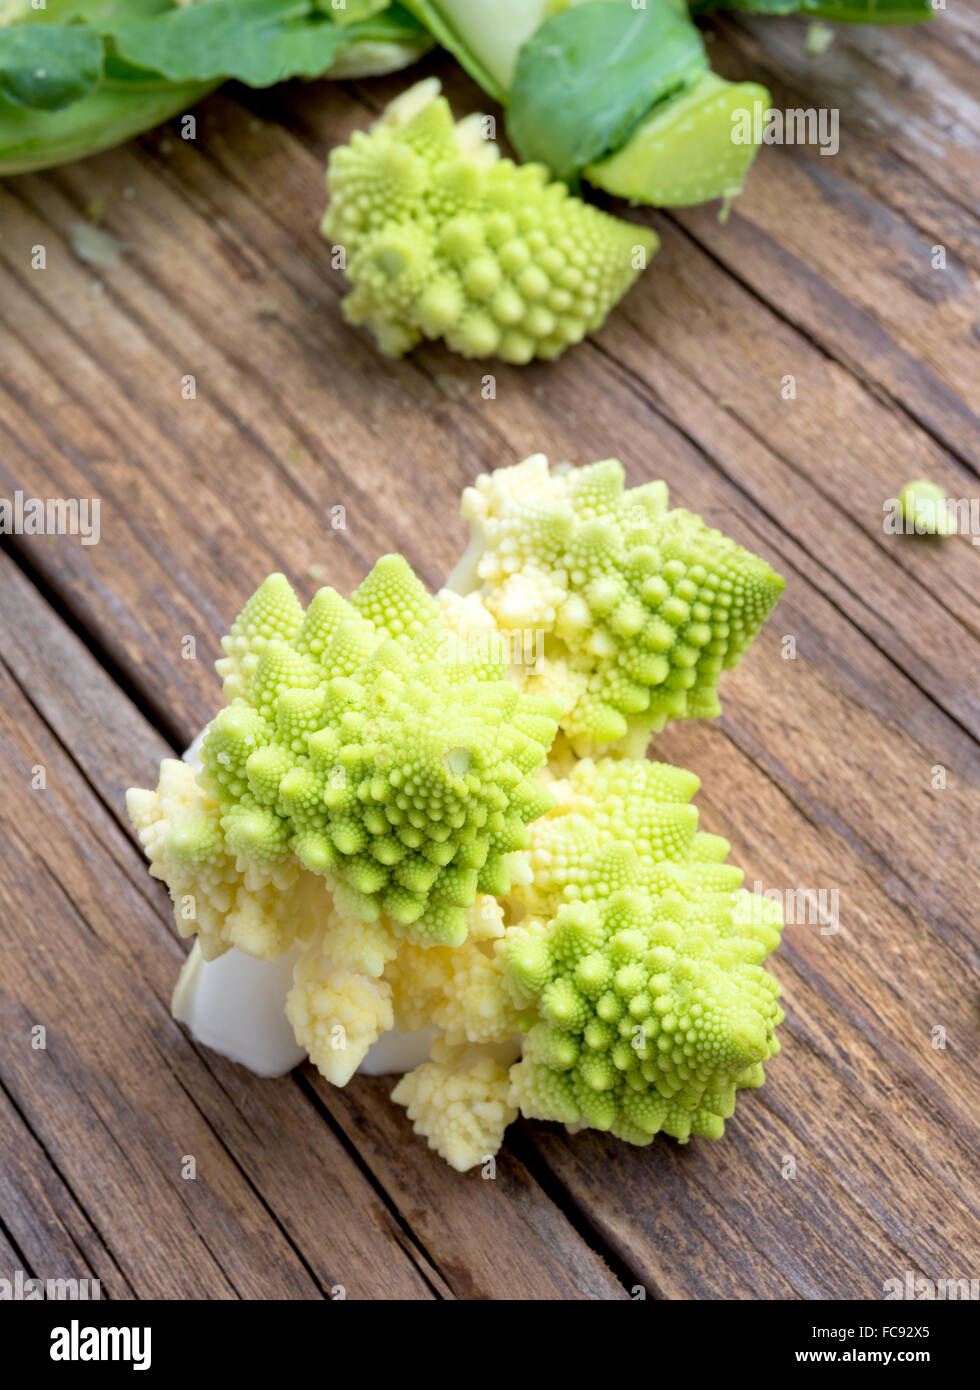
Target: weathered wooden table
pixel 856 1162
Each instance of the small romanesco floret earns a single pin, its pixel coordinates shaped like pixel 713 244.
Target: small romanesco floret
pixel 363 745
pixel 460 1101
pixel 445 240
pixel 339 1004
pixel 641 607
pixel 652 1017
pixel 629 823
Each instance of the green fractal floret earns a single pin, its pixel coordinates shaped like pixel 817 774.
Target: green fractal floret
pixel 642 607
pixel 364 744
pixel 643 958
pixel 652 1016
pixel 445 240
pixel 629 823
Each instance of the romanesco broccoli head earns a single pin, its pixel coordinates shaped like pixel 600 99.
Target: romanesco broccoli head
pixel 445 240
pixel 364 745
pixel 651 1017
pixel 641 607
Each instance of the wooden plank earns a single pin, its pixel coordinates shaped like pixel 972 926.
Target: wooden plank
pixel 818 469
pixel 492 1235
pixel 857 1096
pixel 819 856
pixel 488 1239
pixel 52 1233
pixel 11 1258
pixel 829 254
pixel 139 446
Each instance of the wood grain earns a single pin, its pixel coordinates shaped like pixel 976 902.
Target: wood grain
pixel 821 772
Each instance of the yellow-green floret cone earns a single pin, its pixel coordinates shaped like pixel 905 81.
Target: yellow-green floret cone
pixel 641 960
pixel 640 606
pixel 652 1015
pixel 628 953
pixel 442 239
pixel 367 746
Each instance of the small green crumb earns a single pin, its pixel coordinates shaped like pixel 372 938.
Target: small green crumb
pixel 95 246
pixel 453 387
pixel 819 37
pixel 317 572
pixel 924 508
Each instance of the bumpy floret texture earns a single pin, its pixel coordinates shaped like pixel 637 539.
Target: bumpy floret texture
pixel 259 908
pixel 377 792
pixel 339 1004
pixel 460 1101
pixel 462 990
pixel 639 607
pixel 624 822
pixel 620 831
pixel 442 239
pixel 367 745
pixel 652 1016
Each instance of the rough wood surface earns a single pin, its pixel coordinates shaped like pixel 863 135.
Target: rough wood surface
pixel 821 771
